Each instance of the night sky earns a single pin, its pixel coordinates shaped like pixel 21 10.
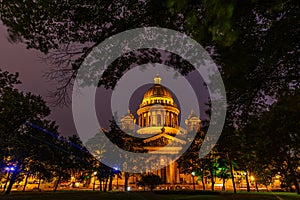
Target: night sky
pixel 31 68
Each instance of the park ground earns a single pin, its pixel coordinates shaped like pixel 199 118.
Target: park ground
pixel 89 195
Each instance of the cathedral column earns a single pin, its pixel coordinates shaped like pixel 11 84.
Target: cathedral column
pixel 140 120
pixel 151 118
pixel 163 117
pixel 168 177
pixel 143 120
pixel 159 173
pixel 166 118
pixel 176 120
pixel 177 179
pixel 159 121
pixel 170 119
pixel 154 118
pixel 172 173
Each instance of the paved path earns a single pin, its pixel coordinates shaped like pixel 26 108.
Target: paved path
pixel 278 197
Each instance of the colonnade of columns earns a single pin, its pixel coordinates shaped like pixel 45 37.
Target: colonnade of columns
pixel 158 118
pixel 169 174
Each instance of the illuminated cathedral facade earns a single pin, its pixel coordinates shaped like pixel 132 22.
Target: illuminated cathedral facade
pixel 158 118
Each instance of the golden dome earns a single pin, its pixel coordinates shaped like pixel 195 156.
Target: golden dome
pixel 157 94
pixel 158 91
pixel 158 110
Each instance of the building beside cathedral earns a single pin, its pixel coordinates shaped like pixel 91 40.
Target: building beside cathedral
pixel 158 119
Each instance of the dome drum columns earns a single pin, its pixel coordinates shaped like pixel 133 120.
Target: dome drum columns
pixel 158 118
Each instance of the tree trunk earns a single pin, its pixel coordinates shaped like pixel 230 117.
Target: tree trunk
pixel 212 180
pixel 203 185
pixel 223 187
pixel 100 185
pixel 294 178
pixel 267 188
pixel 290 189
pixel 11 182
pixel 256 186
pixel 24 188
pixel 110 182
pixel 39 184
pixel 126 181
pixel 7 179
pixel 293 174
pixel 296 185
pixel 232 176
pixel 193 182
pixel 58 181
pixel 247 181
pixel 151 188
pixel 105 186
pixel 212 186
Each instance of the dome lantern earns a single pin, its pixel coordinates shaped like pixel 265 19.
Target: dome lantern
pixel 157 79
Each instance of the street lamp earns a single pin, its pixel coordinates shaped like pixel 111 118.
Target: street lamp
pixel 193 174
pixel 95 173
pixel 9 170
pixel 117 171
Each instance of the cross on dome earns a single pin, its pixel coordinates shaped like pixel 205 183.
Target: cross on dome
pixel 157 79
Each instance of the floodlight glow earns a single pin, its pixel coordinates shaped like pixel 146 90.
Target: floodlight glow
pixel 116 168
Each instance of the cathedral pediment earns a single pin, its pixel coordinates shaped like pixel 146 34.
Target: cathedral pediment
pixel 163 139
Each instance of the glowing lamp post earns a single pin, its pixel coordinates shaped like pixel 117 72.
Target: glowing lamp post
pixel 95 173
pixel 193 174
pixel 116 169
pixel 9 170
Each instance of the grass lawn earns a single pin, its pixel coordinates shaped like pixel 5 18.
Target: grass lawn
pixel 88 195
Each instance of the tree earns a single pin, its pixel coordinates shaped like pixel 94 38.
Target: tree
pixel 229 149
pixel 286 149
pixel 18 108
pixel 223 171
pixel 121 140
pixel 278 151
pixel 69 158
pixel 244 37
pixel 150 180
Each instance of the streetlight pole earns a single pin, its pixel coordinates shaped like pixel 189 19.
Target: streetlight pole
pixel 116 170
pixel 95 173
pixel 193 174
pixel 7 179
pixel 117 181
pixel 9 170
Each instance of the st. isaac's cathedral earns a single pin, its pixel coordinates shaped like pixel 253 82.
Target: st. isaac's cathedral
pixel 158 122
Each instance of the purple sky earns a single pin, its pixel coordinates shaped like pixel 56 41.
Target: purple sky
pixel 16 58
